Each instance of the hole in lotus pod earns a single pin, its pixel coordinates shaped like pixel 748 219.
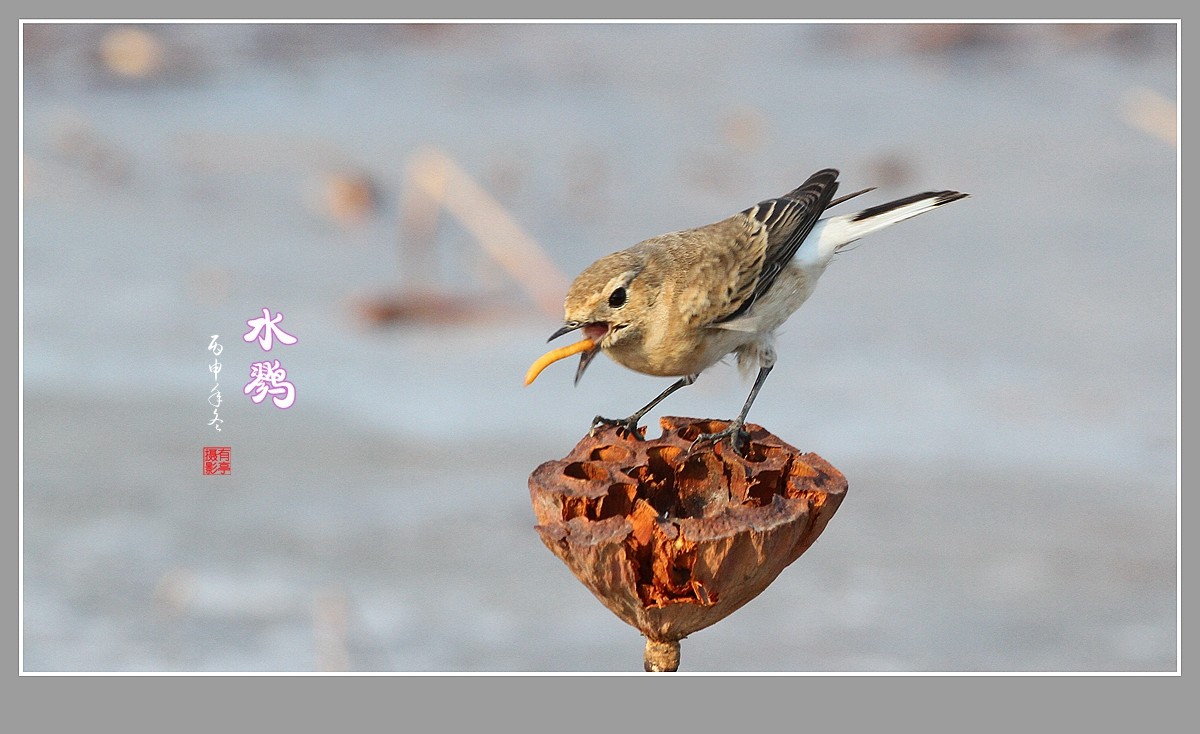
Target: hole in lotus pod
pixel 585 471
pixel 656 479
pixel 702 488
pixel 609 453
pixel 757 452
pixel 618 501
pixel 692 431
pixel 663 457
pixel 765 485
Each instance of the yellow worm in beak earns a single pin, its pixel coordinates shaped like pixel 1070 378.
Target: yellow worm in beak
pixel 554 355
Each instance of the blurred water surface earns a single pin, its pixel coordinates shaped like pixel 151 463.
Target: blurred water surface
pixel 997 379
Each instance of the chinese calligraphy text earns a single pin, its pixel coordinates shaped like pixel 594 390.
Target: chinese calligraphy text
pixel 265 329
pixel 214 395
pixel 269 377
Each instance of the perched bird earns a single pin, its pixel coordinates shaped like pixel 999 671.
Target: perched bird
pixel 677 303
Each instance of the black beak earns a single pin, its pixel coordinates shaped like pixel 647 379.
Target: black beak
pixel 584 360
pixel 566 329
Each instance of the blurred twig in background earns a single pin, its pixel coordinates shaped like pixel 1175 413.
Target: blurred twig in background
pixel 1150 112
pixel 435 182
pixel 330 613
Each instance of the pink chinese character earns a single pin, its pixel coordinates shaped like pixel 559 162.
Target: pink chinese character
pixel 270 379
pixel 264 330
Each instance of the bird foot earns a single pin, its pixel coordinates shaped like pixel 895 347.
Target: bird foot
pixel 625 425
pixel 735 433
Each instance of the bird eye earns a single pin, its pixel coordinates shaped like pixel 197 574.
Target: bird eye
pixel 617 299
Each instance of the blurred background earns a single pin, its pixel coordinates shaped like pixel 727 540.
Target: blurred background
pixel 997 379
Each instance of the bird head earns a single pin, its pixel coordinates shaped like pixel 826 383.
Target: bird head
pixel 608 302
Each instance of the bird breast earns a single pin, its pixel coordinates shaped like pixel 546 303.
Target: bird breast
pixel 677 353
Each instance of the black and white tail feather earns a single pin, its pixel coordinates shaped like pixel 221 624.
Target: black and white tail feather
pixel 798 236
pixel 831 234
pixel 885 215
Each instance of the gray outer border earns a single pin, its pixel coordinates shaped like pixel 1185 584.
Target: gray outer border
pixel 937 703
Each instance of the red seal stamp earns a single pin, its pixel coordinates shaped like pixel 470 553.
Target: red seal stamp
pixel 216 460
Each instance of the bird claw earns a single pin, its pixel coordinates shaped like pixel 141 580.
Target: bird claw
pixel 737 436
pixel 626 425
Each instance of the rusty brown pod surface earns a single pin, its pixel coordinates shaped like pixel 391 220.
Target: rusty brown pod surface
pixel 673 541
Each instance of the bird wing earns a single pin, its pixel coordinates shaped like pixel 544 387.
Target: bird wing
pixel 717 268
pixel 784 222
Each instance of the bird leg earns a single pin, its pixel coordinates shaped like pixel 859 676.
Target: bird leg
pixel 630 424
pixel 734 432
